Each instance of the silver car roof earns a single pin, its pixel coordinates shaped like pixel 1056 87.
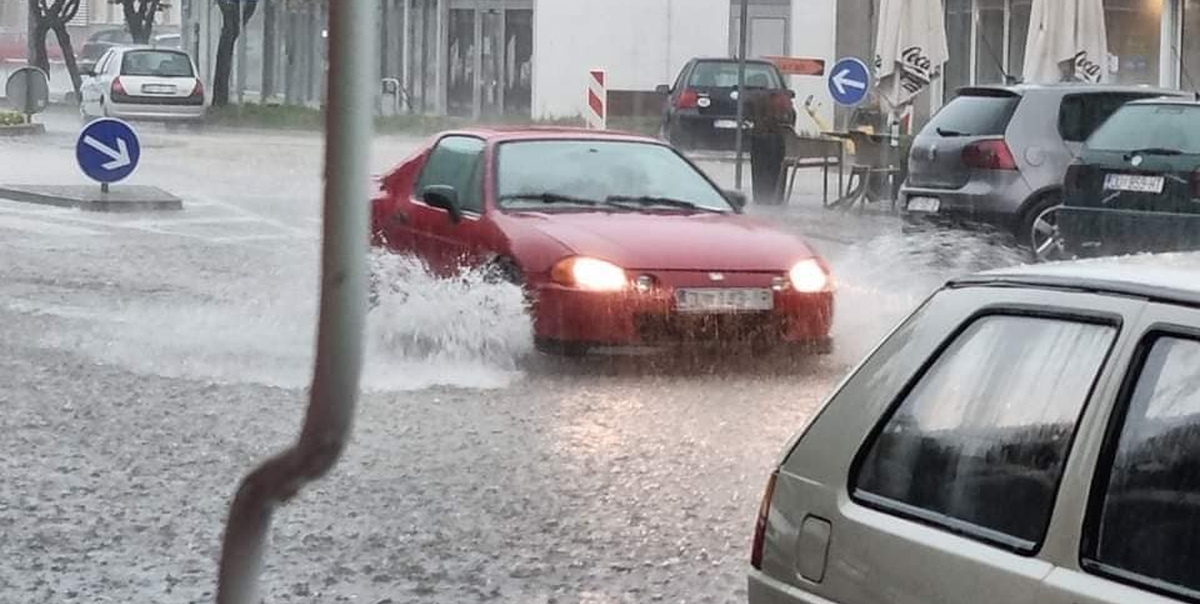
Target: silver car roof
pixel 1167 277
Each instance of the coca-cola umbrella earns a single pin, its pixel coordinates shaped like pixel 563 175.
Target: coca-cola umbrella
pixel 910 49
pixel 1067 42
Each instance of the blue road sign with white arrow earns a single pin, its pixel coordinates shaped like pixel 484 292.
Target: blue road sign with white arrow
pixel 108 150
pixel 849 81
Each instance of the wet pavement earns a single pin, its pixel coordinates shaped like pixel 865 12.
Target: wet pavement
pixel 150 360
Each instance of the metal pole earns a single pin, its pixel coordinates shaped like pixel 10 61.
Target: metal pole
pixel 208 31
pixel 185 27
pixel 241 53
pixel 741 100
pixel 328 422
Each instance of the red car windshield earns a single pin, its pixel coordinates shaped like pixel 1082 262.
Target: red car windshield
pixel 597 170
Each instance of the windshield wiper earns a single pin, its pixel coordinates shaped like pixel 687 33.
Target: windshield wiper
pixel 947 133
pixel 548 197
pixel 651 200
pixel 1153 151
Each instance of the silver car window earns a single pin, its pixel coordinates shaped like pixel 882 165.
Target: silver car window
pixel 1149 524
pixel 979 443
pixel 457 162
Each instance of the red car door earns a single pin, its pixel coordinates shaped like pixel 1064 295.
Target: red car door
pixel 446 244
pixel 392 207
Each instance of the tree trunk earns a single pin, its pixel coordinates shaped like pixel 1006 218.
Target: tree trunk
pixel 64 42
pixel 31 26
pixel 269 46
pixel 40 58
pixel 231 28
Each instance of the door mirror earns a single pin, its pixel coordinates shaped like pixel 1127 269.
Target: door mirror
pixel 444 197
pixel 736 198
pixel 89 71
pixel 662 89
pixel 791 93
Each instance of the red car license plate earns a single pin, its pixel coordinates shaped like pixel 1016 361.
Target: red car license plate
pixel 724 300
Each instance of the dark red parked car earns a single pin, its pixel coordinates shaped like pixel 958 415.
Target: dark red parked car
pixel 617 239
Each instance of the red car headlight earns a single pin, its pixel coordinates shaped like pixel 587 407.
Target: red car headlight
pixel 591 274
pixel 809 277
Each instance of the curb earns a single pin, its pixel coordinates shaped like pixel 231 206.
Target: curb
pixel 89 198
pixel 23 130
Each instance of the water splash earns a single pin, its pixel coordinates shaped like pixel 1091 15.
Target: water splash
pixel 883 279
pixel 463 331
pixel 425 331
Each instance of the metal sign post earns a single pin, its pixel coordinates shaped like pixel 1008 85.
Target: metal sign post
pixel 353 51
pixel 739 138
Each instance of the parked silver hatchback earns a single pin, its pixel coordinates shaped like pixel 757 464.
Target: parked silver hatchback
pixel 997 155
pixel 1025 437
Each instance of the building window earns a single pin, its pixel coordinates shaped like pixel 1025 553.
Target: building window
pixel 1134 31
pixel 1189 53
pixel 989 49
pixel 987 40
pixel 957 72
pixel 1018 33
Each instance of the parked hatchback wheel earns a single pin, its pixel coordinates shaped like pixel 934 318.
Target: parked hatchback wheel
pixel 1040 230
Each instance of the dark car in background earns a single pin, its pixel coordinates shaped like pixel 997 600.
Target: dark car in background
pixel 701 107
pixel 997 155
pixel 1136 186
pixel 101 41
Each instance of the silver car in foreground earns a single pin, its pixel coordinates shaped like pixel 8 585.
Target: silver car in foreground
pixel 996 155
pixel 1026 437
pixel 143 83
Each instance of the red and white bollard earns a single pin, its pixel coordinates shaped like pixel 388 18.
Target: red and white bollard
pixel 597 100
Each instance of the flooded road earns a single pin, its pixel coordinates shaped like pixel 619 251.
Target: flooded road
pixel 150 360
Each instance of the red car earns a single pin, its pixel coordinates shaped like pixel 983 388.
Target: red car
pixel 617 239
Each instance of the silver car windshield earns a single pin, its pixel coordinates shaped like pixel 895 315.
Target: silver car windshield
pixel 529 172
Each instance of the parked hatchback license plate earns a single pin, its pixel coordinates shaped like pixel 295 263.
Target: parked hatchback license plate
pixel 724 300
pixel 730 124
pixel 1133 182
pixel 924 204
pixel 158 89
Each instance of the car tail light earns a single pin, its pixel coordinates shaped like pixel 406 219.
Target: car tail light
pixel 118 89
pixel 990 154
pixel 1196 183
pixel 781 102
pixel 687 99
pixel 760 524
pixel 198 91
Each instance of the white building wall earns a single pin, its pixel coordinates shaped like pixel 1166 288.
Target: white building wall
pixel 641 43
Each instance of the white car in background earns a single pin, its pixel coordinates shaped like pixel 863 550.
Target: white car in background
pixel 143 83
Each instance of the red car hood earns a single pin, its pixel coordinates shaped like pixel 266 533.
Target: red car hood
pixel 671 241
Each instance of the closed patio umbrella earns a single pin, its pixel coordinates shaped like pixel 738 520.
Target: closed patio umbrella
pixel 1067 42
pixel 910 48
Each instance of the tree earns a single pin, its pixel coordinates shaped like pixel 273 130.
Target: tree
pixel 234 15
pixel 139 17
pixel 52 16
